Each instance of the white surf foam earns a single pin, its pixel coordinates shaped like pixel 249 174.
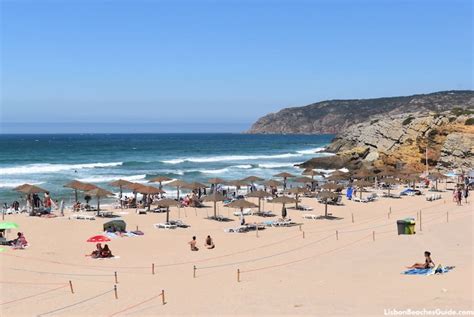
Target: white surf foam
pixel 311 151
pixel 276 165
pixel 52 168
pixel 245 166
pixel 102 179
pixel 16 184
pixel 230 158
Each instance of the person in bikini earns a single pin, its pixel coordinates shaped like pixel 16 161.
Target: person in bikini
pixel 427 265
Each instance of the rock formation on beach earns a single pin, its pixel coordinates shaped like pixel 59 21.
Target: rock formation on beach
pixel 386 131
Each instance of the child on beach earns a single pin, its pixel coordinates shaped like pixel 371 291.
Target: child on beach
pixel 427 265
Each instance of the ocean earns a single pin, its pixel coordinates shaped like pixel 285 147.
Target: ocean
pixel 50 161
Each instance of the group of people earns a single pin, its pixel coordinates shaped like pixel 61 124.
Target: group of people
pixel 19 242
pixel 101 252
pixel 459 193
pixel 208 243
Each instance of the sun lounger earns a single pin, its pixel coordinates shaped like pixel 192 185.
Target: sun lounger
pixel 264 214
pixel 310 216
pixel 178 223
pixel 283 223
pixel 239 229
pixel 254 226
pixel 141 211
pixel 304 208
pixel 246 212
pixel 106 214
pixel 165 225
pixel 82 217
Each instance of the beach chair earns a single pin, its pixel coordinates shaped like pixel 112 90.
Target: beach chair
pixel 82 217
pixel 246 212
pixel 240 229
pixel 304 208
pixel 165 225
pixel 310 216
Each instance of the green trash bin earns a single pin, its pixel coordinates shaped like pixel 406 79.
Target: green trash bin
pixel 406 226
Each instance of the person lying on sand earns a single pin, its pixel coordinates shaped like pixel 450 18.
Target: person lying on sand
pixel 106 253
pixel 209 243
pixel 427 265
pixel 192 243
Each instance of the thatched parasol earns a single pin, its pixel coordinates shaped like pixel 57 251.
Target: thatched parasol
pixel 361 184
pixel 241 203
pixel 331 186
pixel 363 173
pixel 149 190
pixel 160 179
pixel 99 193
pixel 259 194
pixel 285 176
pixel 178 184
pixel 78 185
pixel 284 200
pixel 325 196
pixel 252 179
pixel 312 173
pixel 214 197
pixel 167 202
pixel 298 191
pixel 194 185
pixel 390 182
pixel 272 183
pixel 120 183
pixel 436 176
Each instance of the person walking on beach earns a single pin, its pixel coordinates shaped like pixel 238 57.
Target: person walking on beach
pixel 455 195
pixel 459 197
pixel 466 194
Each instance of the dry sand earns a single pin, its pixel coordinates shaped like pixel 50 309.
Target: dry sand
pixel 316 275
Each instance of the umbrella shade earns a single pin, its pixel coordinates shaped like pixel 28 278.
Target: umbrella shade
pixel 236 183
pixel 120 183
pixel 362 184
pixel 364 173
pixel 167 202
pixel 436 176
pixel 216 180
pixel 159 179
pixel 272 183
pixel 18 188
pixel 283 200
pixel 259 194
pixel 177 183
pixel 331 186
pixel 133 186
pixel 387 171
pixel 99 238
pixel 31 189
pixel 215 196
pixel 241 203
pixel 337 178
pixel 303 180
pixel 390 181
pixel 194 185
pixel 149 190
pixel 284 175
pixel 78 185
pixel 99 192
pixel 298 190
pixel 252 179
pixel 8 225
pixel 325 195
pixel 310 172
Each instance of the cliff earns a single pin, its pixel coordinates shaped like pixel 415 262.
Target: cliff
pixel 335 116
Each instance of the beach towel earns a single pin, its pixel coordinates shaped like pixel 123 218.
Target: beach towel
pixel 438 270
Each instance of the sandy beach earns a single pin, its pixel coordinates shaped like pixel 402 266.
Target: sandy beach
pixel 293 271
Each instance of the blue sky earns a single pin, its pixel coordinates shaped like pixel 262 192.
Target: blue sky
pixel 222 61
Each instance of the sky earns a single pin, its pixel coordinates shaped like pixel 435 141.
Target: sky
pixel 219 64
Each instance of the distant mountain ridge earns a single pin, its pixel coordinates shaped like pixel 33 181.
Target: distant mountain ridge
pixel 334 116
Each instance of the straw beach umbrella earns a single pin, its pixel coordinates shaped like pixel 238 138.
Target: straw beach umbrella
pixel 390 182
pixel 120 183
pixel 78 185
pixel 149 190
pixel 99 193
pixel 298 191
pixel 436 176
pixel 361 185
pixel 259 194
pixel 241 204
pixel 167 202
pixel 214 197
pixel 312 173
pixel 325 196
pixel 252 179
pixel 29 190
pixel 331 186
pixel 284 200
pixel 285 176
pixel 160 179
pixel 178 184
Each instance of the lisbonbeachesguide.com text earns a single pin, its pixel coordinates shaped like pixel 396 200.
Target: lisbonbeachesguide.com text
pixel 427 312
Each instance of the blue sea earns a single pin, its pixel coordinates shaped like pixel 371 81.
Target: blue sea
pixel 50 161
